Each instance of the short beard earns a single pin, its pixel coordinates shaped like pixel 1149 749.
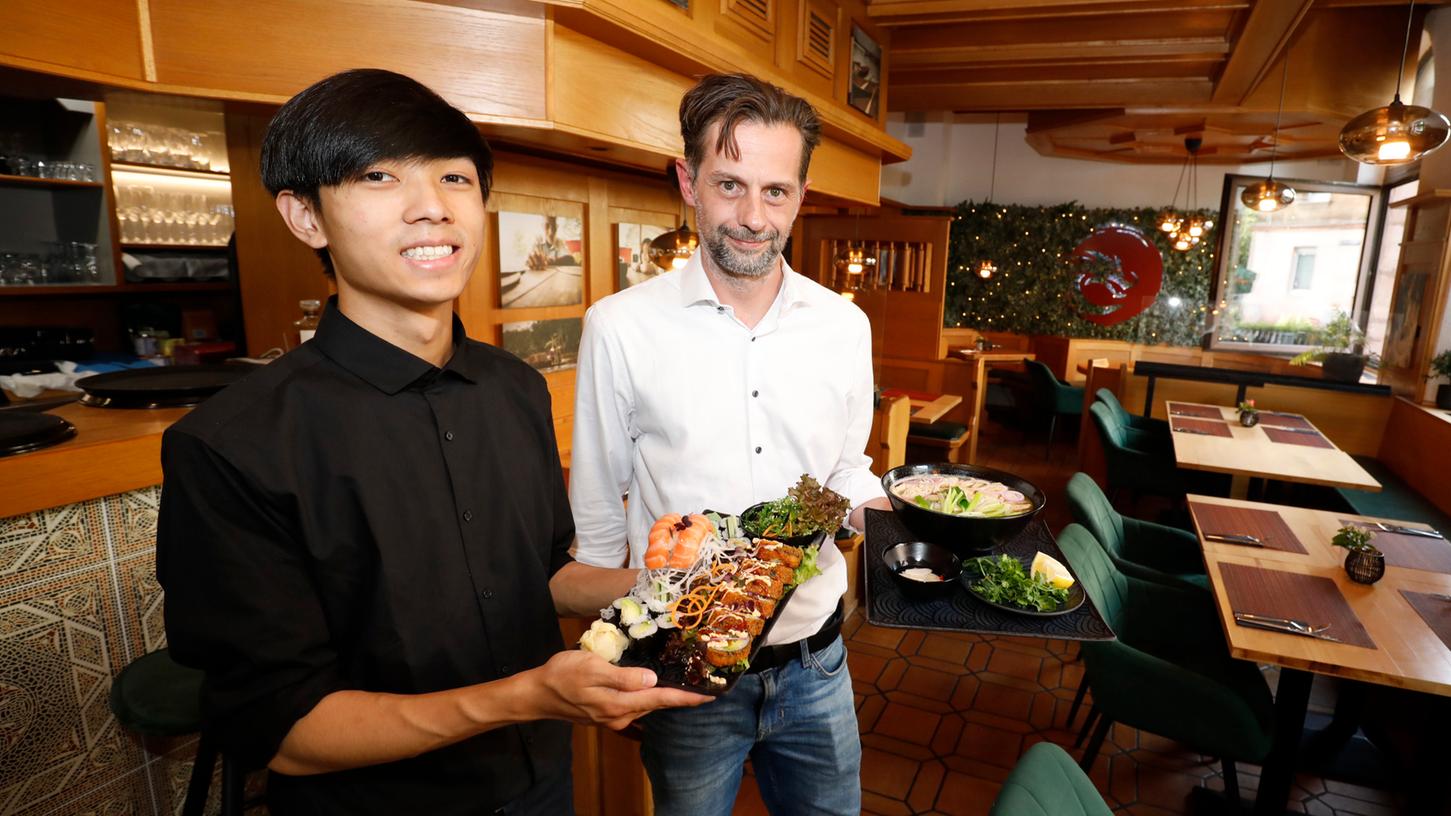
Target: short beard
pixel 742 267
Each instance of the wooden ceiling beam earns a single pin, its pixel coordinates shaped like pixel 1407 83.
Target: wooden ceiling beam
pixel 899 13
pixel 1047 121
pixel 909 58
pixel 1161 27
pixel 1263 42
pixel 1148 69
pixel 1048 95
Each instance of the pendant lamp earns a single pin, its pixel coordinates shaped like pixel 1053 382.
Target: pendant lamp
pixel 1397 133
pixel 1270 195
pixel 986 268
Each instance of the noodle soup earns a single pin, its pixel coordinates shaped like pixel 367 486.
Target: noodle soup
pixel 963 496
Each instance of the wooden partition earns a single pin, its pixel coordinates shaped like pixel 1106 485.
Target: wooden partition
pixel 1417 447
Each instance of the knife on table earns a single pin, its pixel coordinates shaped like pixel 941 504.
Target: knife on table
pixel 1234 538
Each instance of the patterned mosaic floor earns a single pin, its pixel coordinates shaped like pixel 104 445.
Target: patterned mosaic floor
pixel 944 717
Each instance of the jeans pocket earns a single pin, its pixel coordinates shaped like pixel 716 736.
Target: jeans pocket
pixel 828 662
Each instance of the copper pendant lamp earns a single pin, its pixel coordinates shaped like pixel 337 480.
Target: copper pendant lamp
pixel 1270 195
pixel 1397 133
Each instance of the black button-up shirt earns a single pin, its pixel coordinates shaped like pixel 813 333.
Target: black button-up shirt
pixel 352 517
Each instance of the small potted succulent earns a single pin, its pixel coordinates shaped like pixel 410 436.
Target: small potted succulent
pixel 1338 353
pixel 1441 370
pixel 1249 415
pixel 1363 563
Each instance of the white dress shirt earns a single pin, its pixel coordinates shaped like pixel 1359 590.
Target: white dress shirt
pixel 682 406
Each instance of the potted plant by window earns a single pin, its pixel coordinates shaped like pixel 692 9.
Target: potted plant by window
pixel 1249 415
pixel 1363 563
pixel 1338 342
pixel 1441 370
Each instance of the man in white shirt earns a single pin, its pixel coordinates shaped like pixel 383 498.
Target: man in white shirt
pixel 715 387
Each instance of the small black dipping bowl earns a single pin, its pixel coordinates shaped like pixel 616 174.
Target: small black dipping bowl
pixel 922 554
pixel 964 536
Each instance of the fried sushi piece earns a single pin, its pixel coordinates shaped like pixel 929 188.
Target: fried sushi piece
pixel 761 585
pixel 749 620
pixel 738 600
pixel 725 647
pixel 760 566
pixel 779 552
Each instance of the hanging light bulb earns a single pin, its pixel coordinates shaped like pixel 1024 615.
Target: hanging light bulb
pixel 1270 195
pixel 986 268
pixel 1168 220
pixel 1397 133
pixel 1188 232
pixel 672 250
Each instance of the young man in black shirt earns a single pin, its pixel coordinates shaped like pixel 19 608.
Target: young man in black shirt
pixel 366 543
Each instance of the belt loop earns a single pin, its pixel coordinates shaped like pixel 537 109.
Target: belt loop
pixel 805 644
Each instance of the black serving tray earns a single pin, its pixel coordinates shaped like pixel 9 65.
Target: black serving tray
pixel 960 611
pixel 646 653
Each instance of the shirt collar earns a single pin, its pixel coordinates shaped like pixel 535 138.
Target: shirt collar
pixel 383 365
pixel 695 286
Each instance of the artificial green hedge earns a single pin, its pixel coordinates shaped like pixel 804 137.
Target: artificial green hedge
pixel 1033 291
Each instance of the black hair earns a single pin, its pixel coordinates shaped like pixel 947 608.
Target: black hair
pixel 337 128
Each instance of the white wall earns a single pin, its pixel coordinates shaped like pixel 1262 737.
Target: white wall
pixel 952 162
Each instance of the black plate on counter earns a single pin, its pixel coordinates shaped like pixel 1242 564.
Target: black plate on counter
pixel 24 431
pixel 166 387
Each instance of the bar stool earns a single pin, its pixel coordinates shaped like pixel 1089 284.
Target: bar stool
pixel 157 697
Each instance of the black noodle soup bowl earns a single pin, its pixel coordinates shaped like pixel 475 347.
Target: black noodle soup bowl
pixel 963 535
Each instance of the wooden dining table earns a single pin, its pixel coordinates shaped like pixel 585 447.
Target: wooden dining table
pixel 1285 447
pixel 1396 632
pixel 926 407
pixel 982 360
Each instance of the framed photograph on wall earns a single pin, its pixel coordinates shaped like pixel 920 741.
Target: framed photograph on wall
pixel 632 253
pixel 547 345
pixel 864 81
pixel 541 260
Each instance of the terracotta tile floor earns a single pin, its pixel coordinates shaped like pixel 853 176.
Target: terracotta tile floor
pixel 944 717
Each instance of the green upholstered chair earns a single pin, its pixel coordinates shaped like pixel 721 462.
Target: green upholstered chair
pixel 1147 469
pixel 157 697
pixel 1143 549
pixel 1143 432
pixel 1169 672
pixel 1054 398
pixel 1045 782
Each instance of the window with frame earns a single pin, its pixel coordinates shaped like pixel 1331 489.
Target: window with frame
pixel 1303 276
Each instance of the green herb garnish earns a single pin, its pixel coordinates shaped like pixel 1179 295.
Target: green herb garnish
pixel 1005 580
pixel 807 508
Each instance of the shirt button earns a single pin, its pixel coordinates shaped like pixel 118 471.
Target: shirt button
pixel 720 309
pixel 755 393
pixel 487 594
pixel 758 449
pixel 753 339
pixel 506 669
pixel 468 515
pixel 448 435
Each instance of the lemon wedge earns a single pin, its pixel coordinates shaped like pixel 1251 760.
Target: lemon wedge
pixel 1049 569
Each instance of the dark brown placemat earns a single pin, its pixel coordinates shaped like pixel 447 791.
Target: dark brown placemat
pixel 1278 594
pixel 1201 411
pixel 1309 440
pixel 1408 551
pixel 1434 609
pixel 1284 420
pixel 1266 525
pixel 1200 426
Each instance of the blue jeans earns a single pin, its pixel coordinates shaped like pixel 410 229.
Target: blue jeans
pixel 797 722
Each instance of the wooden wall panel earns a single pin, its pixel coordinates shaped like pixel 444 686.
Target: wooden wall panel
pixel 91 39
pixel 275 270
pixel 840 171
pixel 485 63
pixel 1417 445
pixel 601 89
